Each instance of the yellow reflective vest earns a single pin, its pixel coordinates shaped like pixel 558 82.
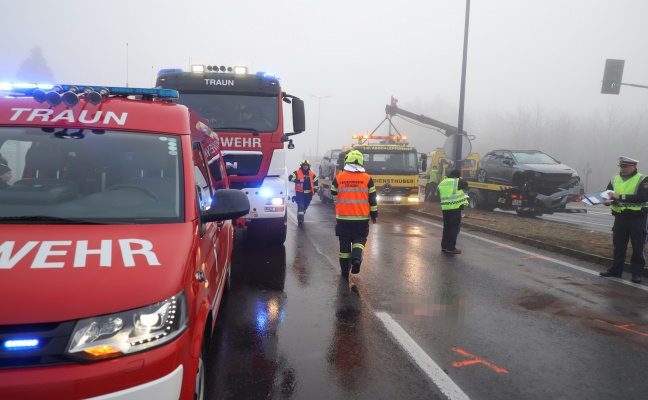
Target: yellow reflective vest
pixel 629 186
pixel 451 197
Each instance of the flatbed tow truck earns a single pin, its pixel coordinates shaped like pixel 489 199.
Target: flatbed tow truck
pixel 525 200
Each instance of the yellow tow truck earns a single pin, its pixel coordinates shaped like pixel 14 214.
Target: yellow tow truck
pixel 437 158
pixel 393 166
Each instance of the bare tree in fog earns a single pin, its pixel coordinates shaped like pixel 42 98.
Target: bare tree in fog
pixel 35 69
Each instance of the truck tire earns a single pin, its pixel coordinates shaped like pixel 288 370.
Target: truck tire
pixel 476 204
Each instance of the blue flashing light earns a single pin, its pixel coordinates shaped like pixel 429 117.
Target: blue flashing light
pixel 268 75
pixel 116 90
pixel 169 71
pixel 27 89
pixel 265 193
pixel 21 344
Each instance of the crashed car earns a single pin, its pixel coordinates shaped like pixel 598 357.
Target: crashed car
pixel 533 169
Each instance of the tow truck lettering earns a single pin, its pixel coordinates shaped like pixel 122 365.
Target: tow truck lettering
pixel 219 82
pixel 229 142
pixel 86 116
pixel 48 251
pixel 380 180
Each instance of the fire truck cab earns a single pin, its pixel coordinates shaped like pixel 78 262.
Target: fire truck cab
pixel 115 243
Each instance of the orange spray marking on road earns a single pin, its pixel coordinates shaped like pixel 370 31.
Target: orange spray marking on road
pixel 503 246
pixel 475 360
pixel 625 327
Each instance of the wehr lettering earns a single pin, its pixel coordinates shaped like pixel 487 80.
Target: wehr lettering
pixel 231 142
pixel 54 253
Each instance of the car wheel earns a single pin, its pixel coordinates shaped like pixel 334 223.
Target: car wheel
pixel 481 176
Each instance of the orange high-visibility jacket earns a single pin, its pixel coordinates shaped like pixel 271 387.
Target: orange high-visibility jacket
pixel 352 200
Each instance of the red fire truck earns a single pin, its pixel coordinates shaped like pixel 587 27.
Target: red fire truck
pixel 115 243
pixel 246 109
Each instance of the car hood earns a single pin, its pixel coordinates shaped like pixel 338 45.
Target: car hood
pixel 550 168
pixel 65 272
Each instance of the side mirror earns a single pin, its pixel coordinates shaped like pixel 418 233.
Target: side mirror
pixel 298 115
pixel 226 204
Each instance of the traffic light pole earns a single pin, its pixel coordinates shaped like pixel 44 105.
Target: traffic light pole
pixel 632 84
pixel 458 153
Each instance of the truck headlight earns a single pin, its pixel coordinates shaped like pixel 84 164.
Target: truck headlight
pixel 128 332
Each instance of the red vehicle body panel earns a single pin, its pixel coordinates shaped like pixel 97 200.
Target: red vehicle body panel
pixel 140 264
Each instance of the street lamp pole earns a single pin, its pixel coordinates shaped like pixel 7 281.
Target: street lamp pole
pixel 319 107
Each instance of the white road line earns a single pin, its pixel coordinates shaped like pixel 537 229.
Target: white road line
pixel 553 260
pixel 431 369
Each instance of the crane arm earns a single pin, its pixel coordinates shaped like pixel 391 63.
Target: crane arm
pixel 448 130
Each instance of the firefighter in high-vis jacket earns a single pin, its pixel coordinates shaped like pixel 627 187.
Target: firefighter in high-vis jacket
pixel 355 199
pixel 306 183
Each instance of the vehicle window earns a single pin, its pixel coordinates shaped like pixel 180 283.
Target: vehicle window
pixel 235 111
pixel 534 157
pixel 201 178
pixel 92 175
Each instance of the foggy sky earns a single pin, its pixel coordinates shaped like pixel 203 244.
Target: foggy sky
pixel 542 58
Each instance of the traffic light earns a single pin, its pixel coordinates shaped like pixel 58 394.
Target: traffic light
pixel 612 76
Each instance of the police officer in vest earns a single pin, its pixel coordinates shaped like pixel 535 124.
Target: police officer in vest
pixel 355 199
pixel 306 183
pixel 453 201
pixel 628 193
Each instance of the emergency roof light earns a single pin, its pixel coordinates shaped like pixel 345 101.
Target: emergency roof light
pixel 169 71
pixel 70 94
pixel 268 75
pixel 367 137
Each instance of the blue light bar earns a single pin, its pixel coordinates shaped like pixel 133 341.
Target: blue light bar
pixel 27 89
pixel 21 344
pixel 268 75
pixel 169 71
pixel 116 90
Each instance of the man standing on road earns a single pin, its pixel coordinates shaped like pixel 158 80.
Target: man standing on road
pixel 453 201
pixel 628 193
pixel 356 202
pixel 305 185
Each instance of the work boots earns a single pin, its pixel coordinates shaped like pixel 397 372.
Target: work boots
pixel 345 266
pixel 355 266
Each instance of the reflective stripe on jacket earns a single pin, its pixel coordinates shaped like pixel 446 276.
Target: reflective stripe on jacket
pixel 629 186
pixel 451 197
pixel 352 196
pixel 299 186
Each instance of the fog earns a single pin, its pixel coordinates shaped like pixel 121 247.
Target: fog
pixel 533 78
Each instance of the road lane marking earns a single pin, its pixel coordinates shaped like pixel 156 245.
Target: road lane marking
pixel 475 360
pixel 530 253
pixel 429 367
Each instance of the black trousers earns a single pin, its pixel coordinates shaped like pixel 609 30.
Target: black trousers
pixel 629 228
pixel 451 228
pixel 353 237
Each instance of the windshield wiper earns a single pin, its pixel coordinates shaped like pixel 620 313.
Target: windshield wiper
pixel 41 218
pixel 237 128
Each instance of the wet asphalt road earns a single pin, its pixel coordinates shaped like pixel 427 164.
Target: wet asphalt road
pixel 500 321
